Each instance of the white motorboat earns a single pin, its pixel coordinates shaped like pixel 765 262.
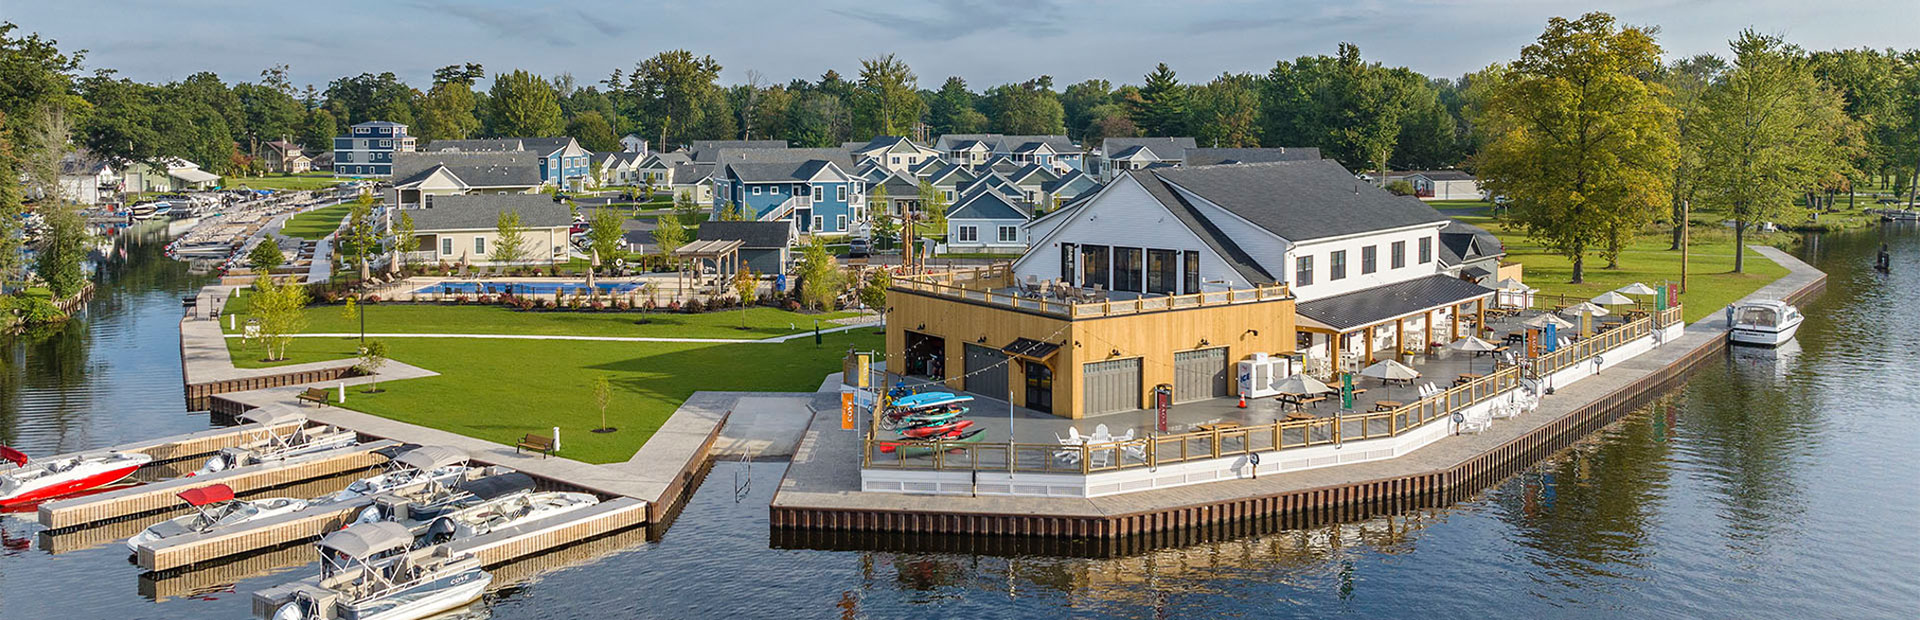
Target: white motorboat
pixel 27 481
pixel 501 502
pixel 368 573
pixel 267 445
pixel 437 466
pixel 214 507
pixel 1764 323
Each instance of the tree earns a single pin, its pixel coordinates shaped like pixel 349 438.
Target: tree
pixel 447 112
pixel 265 256
pixel 1768 132
pixel 602 398
pixel 746 285
pixel 279 308
pixel 319 128
pixel 951 109
pixel 1225 112
pixel 671 88
pixel 934 204
pixel 820 277
pixel 1030 107
pixel 669 235
pixel 887 103
pixel 1400 187
pixel 510 239
pixel 404 241
pixel 1160 108
pixel 1583 145
pixel 373 355
pixel 873 291
pixel 606 233
pixel 594 132
pixel 1687 81
pixel 1078 102
pixel 522 104
pixel 62 249
pixel 362 237
pixel 685 209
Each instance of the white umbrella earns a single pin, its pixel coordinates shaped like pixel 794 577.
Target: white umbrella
pixel 1473 344
pixel 1390 370
pixel 1636 289
pixel 1613 298
pixel 1585 308
pixel 1301 384
pixel 1549 319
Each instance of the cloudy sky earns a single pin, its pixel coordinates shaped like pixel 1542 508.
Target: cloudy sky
pixel 985 41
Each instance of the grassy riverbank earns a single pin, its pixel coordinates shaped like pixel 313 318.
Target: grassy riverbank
pixel 392 318
pixel 316 224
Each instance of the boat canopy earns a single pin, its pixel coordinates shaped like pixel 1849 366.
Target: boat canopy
pixel 492 487
pixel 364 540
pixel 273 415
pixel 432 457
pixel 17 457
pixel 210 494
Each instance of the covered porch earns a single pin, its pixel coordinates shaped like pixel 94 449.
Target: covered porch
pixel 1346 333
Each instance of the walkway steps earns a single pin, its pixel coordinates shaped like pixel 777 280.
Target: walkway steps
pixel 504 545
pixel 162 495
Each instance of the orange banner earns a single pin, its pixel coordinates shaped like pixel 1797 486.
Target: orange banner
pixel 847 410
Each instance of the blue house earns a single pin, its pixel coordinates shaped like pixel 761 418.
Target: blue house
pixel 563 162
pixel 367 149
pixel 816 195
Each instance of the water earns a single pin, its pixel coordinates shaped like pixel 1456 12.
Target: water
pixel 1773 484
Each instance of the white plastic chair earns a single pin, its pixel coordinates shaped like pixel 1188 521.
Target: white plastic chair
pixel 1100 434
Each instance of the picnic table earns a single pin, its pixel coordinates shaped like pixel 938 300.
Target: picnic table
pixel 1300 416
pixel 1218 426
pixel 1300 401
pixel 1466 378
pixel 1387 405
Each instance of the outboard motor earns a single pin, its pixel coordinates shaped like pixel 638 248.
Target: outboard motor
pixel 440 531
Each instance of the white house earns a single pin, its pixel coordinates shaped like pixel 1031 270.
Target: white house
pixel 987 221
pixel 1440 184
pixel 419 176
pixel 88 180
pixel 895 153
pixel 465 229
pixel 632 143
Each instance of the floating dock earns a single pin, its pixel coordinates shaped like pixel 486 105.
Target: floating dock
pixel 200 443
pixel 147 498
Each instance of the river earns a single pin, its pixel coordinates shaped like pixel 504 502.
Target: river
pixel 1771 484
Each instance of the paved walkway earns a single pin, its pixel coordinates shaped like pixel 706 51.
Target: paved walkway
pixel 825 472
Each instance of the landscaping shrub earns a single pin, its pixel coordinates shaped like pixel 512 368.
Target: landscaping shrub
pixel 460 299
pixel 622 305
pixel 484 299
pixel 693 306
pixel 371 299
pixel 597 305
pixel 548 304
pixel 793 306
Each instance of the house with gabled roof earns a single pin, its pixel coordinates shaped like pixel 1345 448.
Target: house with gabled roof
pixel 978 149
pixel 619 168
pixel 1440 184
pixel 562 161
pixel 1120 154
pixel 948 180
pixel 818 195
pixel 1210 156
pixel 89 179
pixel 895 153
pixel 368 149
pixel 283 157
pixel 465 229
pixel 421 176
pixel 987 221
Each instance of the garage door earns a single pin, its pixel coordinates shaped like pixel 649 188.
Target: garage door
pixel 1199 375
pixel 1111 386
pixel 986 374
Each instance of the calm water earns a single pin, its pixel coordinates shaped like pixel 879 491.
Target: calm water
pixel 1778 484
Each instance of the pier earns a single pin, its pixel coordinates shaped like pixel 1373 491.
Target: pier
pixel 147 498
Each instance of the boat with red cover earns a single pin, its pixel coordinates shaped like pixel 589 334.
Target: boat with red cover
pixel 32 481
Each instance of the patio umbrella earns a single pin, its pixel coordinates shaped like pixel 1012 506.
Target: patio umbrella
pixel 1613 298
pixel 1301 384
pixel 1636 289
pixel 1473 344
pixel 1587 308
pixel 1392 370
pixel 1548 319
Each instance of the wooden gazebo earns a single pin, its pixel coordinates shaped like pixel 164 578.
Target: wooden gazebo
pixel 723 255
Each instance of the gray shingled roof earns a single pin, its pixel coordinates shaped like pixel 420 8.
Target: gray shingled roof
pixel 775 234
pixel 709 150
pixel 1170 148
pixel 1000 143
pixel 482 169
pixel 1434 175
pixel 1215 156
pixel 482 211
pixel 1461 242
pixel 839 157
pixel 776 172
pixel 1236 257
pixel 1380 303
pixel 985 204
pixel 477 145
pixel 1300 200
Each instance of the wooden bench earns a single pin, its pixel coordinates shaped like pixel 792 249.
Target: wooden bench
pixel 316 396
pixel 537 443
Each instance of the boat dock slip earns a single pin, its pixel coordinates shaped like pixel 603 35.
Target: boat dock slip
pixel 503 545
pixel 162 495
pixel 192 444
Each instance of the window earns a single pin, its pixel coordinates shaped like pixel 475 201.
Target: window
pixel 969 233
pixel 841 222
pixel 1303 271
pixel 446 245
pixel 775 190
pixel 840 193
pixel 480 245
pixel 1163 266
pixel 1126 269
pixel 1009 234
pixel 949 195
pixel 1093 265
pixel 756 190
pixel 1398 257
pixel 1369 259
pixel 1338 269
pixel 1426 250
pixel 818 222
pixel 819 193
pixel 896 160
pixel 1190 267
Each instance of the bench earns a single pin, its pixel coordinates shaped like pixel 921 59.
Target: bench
pixel 537 443
pixel 316 396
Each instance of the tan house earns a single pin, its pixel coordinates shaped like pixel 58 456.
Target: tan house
pixel 465 229
pixel 283 157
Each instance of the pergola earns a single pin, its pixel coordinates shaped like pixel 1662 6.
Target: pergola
pixel 721 254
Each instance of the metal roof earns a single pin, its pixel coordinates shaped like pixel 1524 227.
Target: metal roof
pixel 1383 303
pixel 1300 200
pixel 482 212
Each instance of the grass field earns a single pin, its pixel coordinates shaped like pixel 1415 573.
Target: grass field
pixel 310 180
pixel 316 224
pixel 1711 281
pixel 499 390
pixel 475 319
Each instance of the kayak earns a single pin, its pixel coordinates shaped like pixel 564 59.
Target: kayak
pixel 924 400
pixel 941 429
pixel 922 419
pixel 915 447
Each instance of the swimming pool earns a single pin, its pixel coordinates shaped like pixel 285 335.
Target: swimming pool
pixel 525 288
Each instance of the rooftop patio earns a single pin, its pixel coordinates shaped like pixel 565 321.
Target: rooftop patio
pixel 996 285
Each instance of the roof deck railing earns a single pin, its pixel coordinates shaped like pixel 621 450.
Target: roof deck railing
pixel 983 285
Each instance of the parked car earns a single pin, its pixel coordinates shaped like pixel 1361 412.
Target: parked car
pixel 859 248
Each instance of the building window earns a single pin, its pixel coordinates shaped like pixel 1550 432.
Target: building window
pixel 1426 250
pixel 1338 269
pixel 1163 266
pixel 775 190
pixel 1369 259
pixel 819 193
pixel 840 193
pixel 1303 271
pixel 1093 265
pixel 1009 234
pixel 818 221
pixel 840 221
pixel 949 196
pixel 896 160
pixel 1190 269
pixel 756 190
pixel 480 246
pixel 1127 274
pixel 1398 257
pixel 969 233
pixel 446 245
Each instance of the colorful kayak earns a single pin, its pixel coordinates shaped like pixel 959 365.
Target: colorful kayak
pixel 938 429
pixel 925 400
pixel 916 447
pixel 921 419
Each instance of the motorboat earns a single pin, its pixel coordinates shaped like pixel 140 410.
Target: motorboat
pixel 27 481
pixel 1764 323
pixel 436 466
pixel 368 572
pixel 214 507
pixel 268 445
pixel 500 510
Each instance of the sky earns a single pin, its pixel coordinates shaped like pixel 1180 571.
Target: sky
pixel 987 42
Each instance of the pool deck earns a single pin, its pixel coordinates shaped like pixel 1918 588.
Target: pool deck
pixel 821 487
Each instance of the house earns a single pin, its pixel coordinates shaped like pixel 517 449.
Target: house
pixel 889 191
pixel 1069 187
pixel 895 153
pixel 657 169
pixel 947 180
pixel 1440 184
pixel 170 175
pixel 419 177
pixel 978 149
pixel 89 180
pixel 818 195
pixel 765 247
pixel 986 221
pixel 1121 154
pixel 1471 253
pixel 323 160
pixel 465 229
pixel 621 168
pixel 283 157
pixel 367 149
pixel 563 162
pixel 632 143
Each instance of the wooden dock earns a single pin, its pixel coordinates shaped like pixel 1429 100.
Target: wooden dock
pixel 147 498
pixel 189 445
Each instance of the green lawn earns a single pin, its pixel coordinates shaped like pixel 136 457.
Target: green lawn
pixel 393 318
pixel 1711 281
pixel 311 180
pixel 316 224
pixel 499 390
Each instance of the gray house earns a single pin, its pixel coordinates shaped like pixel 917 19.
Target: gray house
pixel 465 229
